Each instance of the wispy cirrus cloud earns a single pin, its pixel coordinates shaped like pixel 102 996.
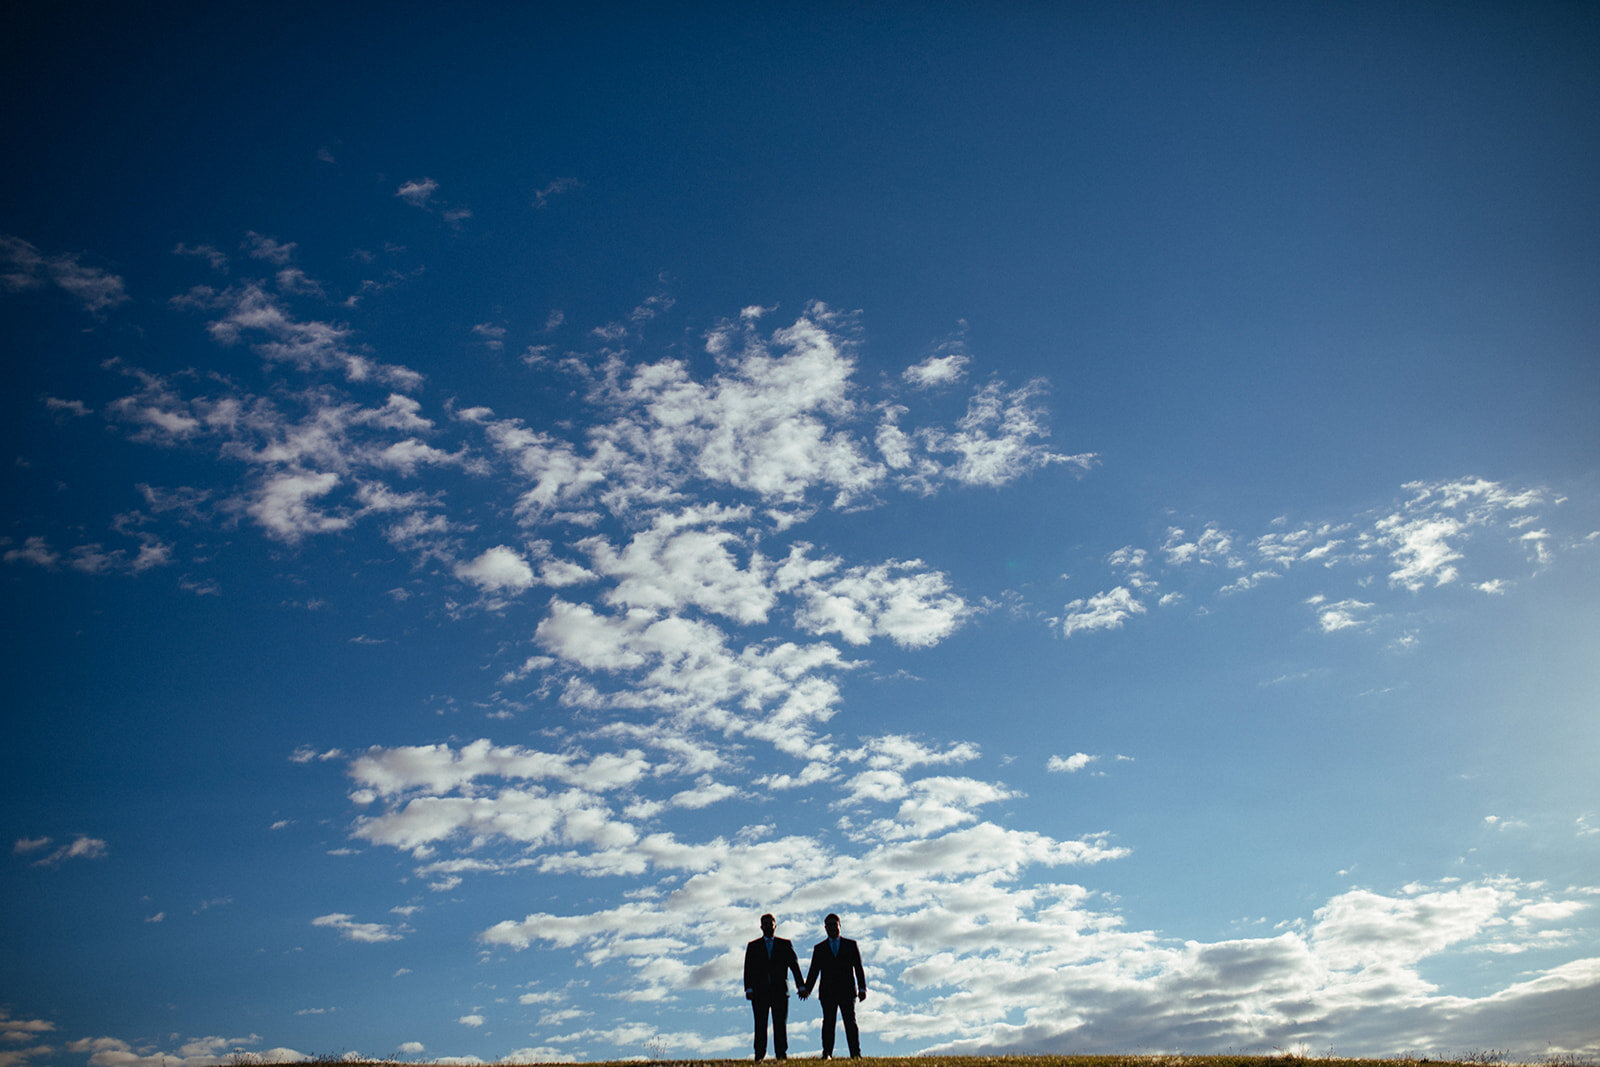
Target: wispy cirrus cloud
pixel 542 198
pixel 81 847
pixel 24 267
pixel 1427 541
pixel 364 932
pixel 419 193
pixel 250 312
pixel 1103 611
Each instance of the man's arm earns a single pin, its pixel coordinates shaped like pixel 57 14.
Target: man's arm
pixel 811 972
pixel 794 965
pixel 861 975
pixel 750 973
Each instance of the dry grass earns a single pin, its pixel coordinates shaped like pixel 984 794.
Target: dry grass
pixel 1476 1058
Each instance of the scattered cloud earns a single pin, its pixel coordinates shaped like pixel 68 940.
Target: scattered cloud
pixel 417 193
pixel 1103 611
pixel 351 930
pixel 937 370
pixel 198 1052
pixel 214 257
pixel 259 246
pixel 1340 615
pixel 543 197
pixel 23 267
pixel 701 648
pixel 81 847
pixel 499 569
pixel 492 335
pixel 1420 544
pixel 34 550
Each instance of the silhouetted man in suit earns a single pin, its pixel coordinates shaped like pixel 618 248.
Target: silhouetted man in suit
pixel 767 961
pixel 837 961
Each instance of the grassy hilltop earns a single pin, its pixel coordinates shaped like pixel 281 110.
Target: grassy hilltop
pixel 1470 1059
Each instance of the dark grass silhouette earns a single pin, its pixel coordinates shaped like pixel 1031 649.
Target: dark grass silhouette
pixel 1484 1058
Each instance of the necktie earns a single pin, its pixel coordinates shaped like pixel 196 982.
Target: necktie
pixel 833 943
pixel 769 948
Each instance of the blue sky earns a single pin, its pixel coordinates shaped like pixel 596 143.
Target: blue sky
pixel 1105 498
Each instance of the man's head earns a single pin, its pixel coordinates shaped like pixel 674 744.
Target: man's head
pixel 831 924
pixel 768 925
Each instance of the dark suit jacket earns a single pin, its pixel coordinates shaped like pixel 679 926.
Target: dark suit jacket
pixel 767 978
pixel 841 975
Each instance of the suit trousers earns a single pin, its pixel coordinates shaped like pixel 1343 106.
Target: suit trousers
pixel 844 1009
pixel 778 1008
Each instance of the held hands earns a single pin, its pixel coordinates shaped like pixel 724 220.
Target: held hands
pixel 803 990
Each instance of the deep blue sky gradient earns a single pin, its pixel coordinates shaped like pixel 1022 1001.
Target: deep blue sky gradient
pixel 1276 267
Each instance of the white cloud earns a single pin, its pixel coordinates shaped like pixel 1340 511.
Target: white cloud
pixel 492 335
pixel 273 251
pixel 12 1029
pixel 248 310
pixel 318 470
pixel 1364 930
pixel 538 1054
pixel 1424 537
pixel 35 550
pixel 75 408
pixel 81 847
pixel 199 1052
pixel 418 193
pixel 306 754
pixel 22 267
pixel 999 439
pixel 679 563
pixel 351 930
pixel 901 753
pixel 20 1035
pixel 912 607
pixel 777 420
pixel 684 668
pixel 441 769
pixel 543 197
pixel 1070 764
pixel 217 259
pixel 937 370
pixel 1548 911
pixel 1422 549
pixel 1103 611
pixel 1342 615
pixel 500 569
pixel 705 793
pixel 1212 546
pixel 1537 543
pixel 282 505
